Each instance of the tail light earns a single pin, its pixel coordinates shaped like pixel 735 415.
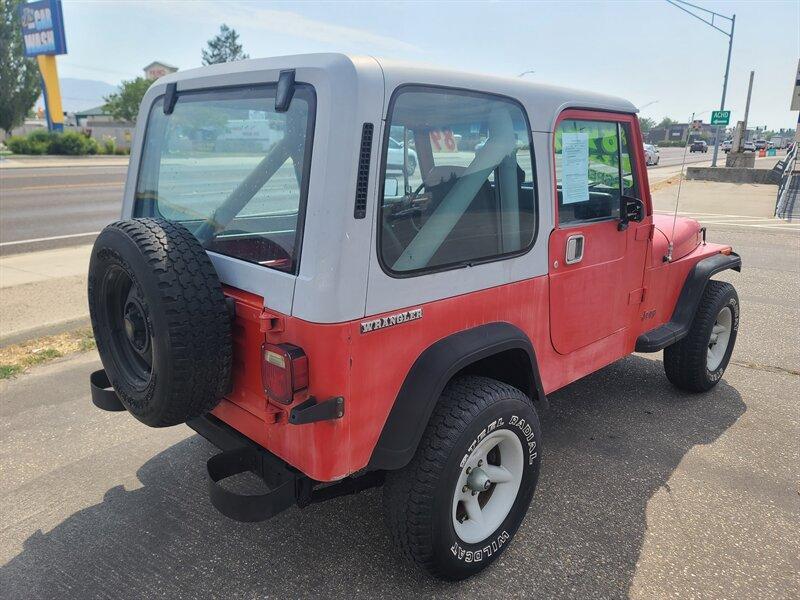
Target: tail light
pixel 284 371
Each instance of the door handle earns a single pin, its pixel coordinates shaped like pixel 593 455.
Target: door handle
pixel 574 252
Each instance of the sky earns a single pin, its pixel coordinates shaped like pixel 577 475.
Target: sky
pixel 650 52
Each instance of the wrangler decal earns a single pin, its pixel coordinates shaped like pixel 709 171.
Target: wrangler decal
pixel 403 317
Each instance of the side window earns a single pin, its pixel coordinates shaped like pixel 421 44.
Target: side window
pixel 593 169
pixel 458 180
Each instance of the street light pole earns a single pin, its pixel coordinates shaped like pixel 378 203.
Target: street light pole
pixel 681 5
pixel 724 89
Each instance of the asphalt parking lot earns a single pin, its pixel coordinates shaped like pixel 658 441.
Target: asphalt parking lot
pixel 645 492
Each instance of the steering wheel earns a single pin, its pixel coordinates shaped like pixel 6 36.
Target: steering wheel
pixel 411 211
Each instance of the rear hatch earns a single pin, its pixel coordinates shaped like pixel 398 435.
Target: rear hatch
pixel 232 169
pixel 231 164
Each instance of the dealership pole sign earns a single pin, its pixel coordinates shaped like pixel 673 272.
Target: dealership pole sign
pixel 43 37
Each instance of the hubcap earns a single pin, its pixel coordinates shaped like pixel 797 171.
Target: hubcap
pixel 130 340
pixel 719 339
pixel 487 486
pixel 136 326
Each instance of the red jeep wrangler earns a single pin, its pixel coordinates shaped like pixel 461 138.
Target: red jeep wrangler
pixel 348 272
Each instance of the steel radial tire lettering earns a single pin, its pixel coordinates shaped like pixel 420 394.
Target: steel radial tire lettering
pixel 160 320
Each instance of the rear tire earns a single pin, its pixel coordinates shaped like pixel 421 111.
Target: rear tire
pixel 443 509
pixel 697 362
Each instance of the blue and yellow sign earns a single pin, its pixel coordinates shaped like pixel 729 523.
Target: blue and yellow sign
pixel 43 28
pixel 43 38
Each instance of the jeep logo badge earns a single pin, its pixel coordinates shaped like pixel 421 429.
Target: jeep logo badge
pixel 403 317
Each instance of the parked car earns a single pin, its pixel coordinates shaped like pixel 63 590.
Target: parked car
pixel 761 144
pixel 748 147
pixel 698 146
pixel 329 339
pixel 651 154
pixel 396 157
pixel 726 146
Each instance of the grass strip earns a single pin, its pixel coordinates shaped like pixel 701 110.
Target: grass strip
pixel 18 358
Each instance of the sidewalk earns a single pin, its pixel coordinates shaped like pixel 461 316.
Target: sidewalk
pixel 15 161
pixel 43 293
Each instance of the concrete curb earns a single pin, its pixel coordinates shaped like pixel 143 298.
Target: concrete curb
pixel 733 175
pixel 50 162
pixel 34 333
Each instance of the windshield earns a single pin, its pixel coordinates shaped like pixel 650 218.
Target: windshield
pixel 231 169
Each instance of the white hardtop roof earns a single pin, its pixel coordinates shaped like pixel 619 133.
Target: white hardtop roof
pixel 543 102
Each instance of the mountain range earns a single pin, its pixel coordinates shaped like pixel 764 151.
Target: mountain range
pixel 80 94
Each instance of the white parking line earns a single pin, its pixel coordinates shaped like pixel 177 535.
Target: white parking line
pixel 778 227
pixel 48 239
pixel 751 221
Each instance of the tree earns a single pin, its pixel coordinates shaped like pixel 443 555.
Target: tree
pixel 20 84
pixel 666 122
pixel 646 124
pixel 223 47
pixel 124 105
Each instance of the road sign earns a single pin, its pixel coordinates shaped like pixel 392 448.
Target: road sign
pixel 720 117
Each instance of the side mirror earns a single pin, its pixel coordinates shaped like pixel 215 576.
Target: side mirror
pixel 632 210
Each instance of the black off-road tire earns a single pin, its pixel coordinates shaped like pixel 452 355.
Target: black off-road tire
pixel 172 282
pixel 418 498
pixel 685 361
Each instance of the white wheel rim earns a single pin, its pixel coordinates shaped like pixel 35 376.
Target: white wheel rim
pixel 720 337
pixel 487 486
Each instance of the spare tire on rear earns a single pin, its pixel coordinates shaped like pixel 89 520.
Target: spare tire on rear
pixel 159 316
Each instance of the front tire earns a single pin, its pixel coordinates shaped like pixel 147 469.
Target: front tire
pixel 697 362
pixel 455 507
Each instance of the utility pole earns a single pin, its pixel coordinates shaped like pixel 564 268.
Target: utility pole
pixel 711 22
pixel 740 132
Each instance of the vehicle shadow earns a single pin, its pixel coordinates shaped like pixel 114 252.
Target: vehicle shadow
pixel 611 441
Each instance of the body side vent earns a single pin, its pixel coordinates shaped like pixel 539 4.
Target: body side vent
pixel 362 181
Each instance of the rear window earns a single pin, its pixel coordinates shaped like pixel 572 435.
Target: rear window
pixel 231 169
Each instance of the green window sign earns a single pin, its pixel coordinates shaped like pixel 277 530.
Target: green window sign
pixel 720 117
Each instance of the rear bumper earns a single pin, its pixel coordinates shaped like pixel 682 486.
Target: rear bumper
pixel 286 486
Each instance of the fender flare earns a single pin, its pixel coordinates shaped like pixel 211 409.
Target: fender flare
pixel 688 301
pixel 427 378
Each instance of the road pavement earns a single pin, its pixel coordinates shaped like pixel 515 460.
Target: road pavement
pixel 57 207
pixel 645 492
